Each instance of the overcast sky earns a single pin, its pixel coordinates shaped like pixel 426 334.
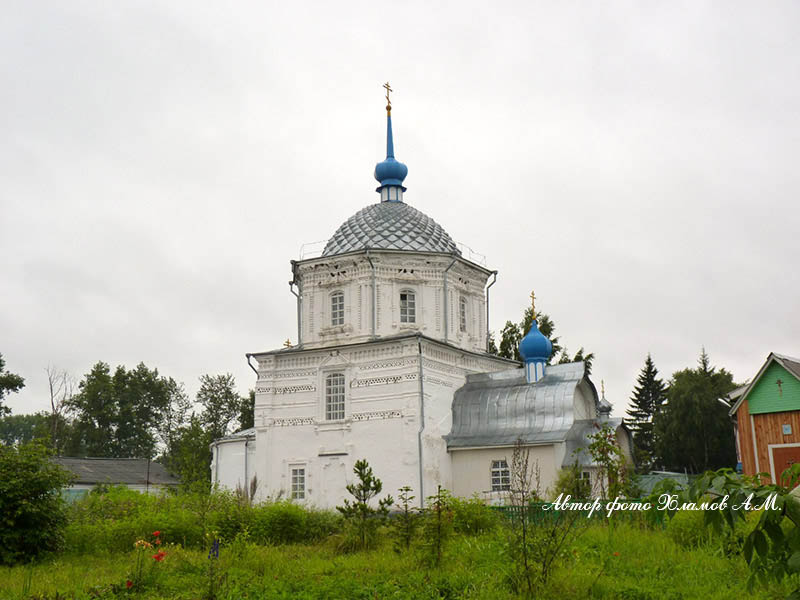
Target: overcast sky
pixel 160 163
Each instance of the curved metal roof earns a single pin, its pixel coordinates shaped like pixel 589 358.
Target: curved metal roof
pixel 499 408
pixel 390 226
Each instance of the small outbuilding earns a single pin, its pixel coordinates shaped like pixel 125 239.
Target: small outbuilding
pixel 138 474
pixel 767 417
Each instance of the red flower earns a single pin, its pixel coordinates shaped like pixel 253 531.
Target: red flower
pixel 158 557
pixel 156 533
pixel 129 584
pixel 616 553
pixel 158 542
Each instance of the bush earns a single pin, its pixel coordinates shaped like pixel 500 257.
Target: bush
pixel 472 517
pixel 32 512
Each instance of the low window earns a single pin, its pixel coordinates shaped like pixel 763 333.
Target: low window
pixel 298 483
pixel 462 313
pixel 408 307
pixel 334 397
pixel 501 476
pixel 337 308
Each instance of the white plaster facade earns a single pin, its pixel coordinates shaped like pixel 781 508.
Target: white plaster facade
pixel 371 283
pixel 389 384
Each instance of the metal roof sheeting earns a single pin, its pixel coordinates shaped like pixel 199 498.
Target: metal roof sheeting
pixel 127 471
pixel 494 409
pixel 390 226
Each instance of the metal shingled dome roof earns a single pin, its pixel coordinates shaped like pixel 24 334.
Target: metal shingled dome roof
pixel 390 226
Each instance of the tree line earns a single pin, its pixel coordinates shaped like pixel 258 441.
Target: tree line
pixel 131 413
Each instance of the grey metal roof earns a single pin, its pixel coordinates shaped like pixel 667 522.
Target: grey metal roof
pixel 496 409
pixel 244 434
pixel 129 471
pixel 390 226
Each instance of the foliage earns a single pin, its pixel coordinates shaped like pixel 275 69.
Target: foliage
pixel 363 518
pixel 112 520
pixel 118 415
pixel 613 471
pixel 189 456
pixel 32 512
pixel 221 404
pixel 472 517
pixel 9 383
pixel 512 334
pixel 693 430
pixel 648 396
pixel 21 429
pixel 405 523
pixel 247 411
pixel 437 525
pixel 570 483
pixel 772 546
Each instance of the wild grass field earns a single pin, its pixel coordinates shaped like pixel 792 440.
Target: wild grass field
pixel 281 550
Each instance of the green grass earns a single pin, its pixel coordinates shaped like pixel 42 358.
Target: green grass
pixel 619 562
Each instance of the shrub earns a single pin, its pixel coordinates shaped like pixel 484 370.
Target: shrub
pixel 32 512
pixel 472 517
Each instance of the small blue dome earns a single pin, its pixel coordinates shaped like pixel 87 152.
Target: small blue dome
pixel 535 347
pixel 391 172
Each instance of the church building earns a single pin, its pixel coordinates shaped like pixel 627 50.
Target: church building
pixel 391 366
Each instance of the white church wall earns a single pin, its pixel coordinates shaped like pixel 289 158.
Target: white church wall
pixel 394 272
pixel 233 463
pixel 472 469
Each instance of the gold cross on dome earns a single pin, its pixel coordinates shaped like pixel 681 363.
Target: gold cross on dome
pixel 533 304
pixel 388 101
pixel 287 343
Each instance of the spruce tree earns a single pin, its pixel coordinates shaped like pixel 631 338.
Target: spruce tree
pixel 647 398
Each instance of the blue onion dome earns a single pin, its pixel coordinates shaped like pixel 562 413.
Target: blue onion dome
pixel 391 171
pixel 535 347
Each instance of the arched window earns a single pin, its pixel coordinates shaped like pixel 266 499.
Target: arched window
pixel 408 307
pixel 334 397
pixel 462 313
pixel 337 308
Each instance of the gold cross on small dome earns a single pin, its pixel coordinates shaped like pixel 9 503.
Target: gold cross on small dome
pixel 388 101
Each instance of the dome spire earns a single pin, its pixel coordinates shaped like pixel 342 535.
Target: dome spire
pixel 390 173
pixel 535 349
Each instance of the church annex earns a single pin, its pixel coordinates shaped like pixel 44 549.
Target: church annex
pixel 391 365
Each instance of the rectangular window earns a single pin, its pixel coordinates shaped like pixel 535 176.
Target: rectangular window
pixel 462 313
pixel 408 307
pixel 298 483
pixel 501 476
pixel 334 397
pixel 337 308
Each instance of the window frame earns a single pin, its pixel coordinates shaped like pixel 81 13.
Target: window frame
pixel 298 477
pixel 340 399
pixel 408 306
pixel 462 313
pixel 500 475
pixel 336 312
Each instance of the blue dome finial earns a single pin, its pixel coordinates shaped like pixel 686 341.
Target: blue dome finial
pixel 535 349
pixel 390 173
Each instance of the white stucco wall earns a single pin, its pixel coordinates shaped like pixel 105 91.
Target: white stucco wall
pixel 233 463
pixel 472 468
pixel 394 272
pixel 381 424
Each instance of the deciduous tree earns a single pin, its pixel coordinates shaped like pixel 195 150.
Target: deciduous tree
pixel 9 383
pixel 693 430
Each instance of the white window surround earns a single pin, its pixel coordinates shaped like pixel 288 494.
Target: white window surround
pixel 335 396
pixel 500 476
pixel 336 303
pixel 298 478
pixel 408 306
